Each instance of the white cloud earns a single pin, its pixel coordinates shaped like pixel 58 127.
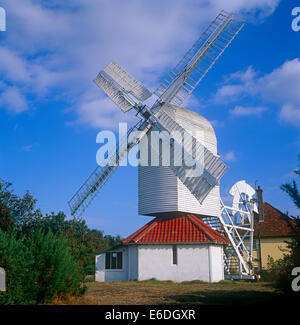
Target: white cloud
pixel 255 10
pixel 12 100
pixel 247 111
pixel 102 113
pixel 229 156
pixel 217 124
pixel 290 114
pixel 193 102
pixel 13 66
pixel 27 148
pixel 236 85
pixel 281 86
pixel 62 47
pixel 288 175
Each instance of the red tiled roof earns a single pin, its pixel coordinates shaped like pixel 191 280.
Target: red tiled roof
pixel 183 229
pixel 275 224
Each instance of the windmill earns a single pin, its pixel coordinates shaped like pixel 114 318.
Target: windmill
pixel 128 93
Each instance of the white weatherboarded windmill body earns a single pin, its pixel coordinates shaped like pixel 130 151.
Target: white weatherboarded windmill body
pixel 194 235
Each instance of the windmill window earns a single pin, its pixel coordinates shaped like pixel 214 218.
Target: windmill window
pixel 174 251
pixel 113 261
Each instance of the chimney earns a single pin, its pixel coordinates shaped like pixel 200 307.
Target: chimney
pixel 260 204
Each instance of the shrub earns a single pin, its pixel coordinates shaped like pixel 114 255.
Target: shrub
pixel 17 261
pixel 38 268
pixel 57 271
pixel 279 271
pixel 286 265
pixel 44 255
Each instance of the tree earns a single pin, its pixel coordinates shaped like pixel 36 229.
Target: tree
pixel 292 189
pixel 39 268
pixel 84 242
pixel 19 212
pixel 57 271
pixel 6 219
pixel 17 261
pixel 283 267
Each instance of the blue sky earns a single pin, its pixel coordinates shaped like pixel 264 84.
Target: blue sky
pixel 51 112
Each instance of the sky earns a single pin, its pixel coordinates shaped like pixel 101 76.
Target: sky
pixel 51 111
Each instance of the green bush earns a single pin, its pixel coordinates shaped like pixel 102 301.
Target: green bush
pixel 271 272
pixel 285 266
pixel 44 255
pixel 38 268
pixel 57 271
pixel 17 261
pixel 279 271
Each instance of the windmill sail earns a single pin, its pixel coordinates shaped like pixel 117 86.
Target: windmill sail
pixel 213 167
pixel 121 87
pixel 114 91
pixel 183 79
pixel 127 82
pixel 91 187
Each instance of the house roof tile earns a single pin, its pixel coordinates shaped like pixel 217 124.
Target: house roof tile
pixel 275 224
pixel 180 229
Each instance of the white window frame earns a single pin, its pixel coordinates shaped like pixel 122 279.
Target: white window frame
pixel 116 269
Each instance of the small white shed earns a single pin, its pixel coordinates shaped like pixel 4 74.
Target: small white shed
pixel 181 248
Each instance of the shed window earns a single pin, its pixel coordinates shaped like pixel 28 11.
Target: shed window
pixel 174 249
pixel 113 261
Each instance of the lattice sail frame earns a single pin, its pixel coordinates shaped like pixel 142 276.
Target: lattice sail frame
pixel 195 64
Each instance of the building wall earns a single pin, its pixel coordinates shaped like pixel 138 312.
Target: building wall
pixel 270 246
pixel 132 262
pixel 144 262
pixel 216 263
pixel 195 262
pixel 111 275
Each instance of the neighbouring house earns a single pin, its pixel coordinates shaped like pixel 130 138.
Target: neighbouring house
pixel 271 235
pixel 181 248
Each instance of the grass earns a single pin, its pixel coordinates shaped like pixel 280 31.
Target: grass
pixel 154 292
